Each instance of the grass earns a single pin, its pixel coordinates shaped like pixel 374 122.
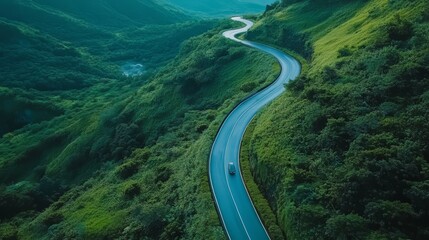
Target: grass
pixel 357 31
pixel 260 202
pixel 96 215
pixel 328 29
pixel 315 153
pixel 130 120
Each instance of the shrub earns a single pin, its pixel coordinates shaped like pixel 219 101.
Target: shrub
pixel 8 232
pixel 201 128
pixel 390 213
pixel 248 87
pixel 132 190
pixel 344 52
pixel 126 138
pixel 164 174
pixel 400 29
pixel 12 203
pixel 346 226
pixel 128 169
pixel 52 218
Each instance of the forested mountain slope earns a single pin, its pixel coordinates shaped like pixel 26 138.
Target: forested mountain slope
pixel 88 20
pixel 344 154
pixel 108 13
pixel 221 7
pixel 44 49
pixel 86 152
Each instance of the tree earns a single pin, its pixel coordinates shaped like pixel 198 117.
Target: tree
pixel 348 226
pixel 390 213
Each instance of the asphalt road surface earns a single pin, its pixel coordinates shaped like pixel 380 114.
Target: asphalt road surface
pixel 238 215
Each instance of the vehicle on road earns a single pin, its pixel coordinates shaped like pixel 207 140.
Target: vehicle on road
pixel 239 217
pixel 231 168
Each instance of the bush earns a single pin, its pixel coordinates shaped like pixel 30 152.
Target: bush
pixel 128 169
pixel 344 52
pixel 361 125
pixel 8 232
pixel 164 174
pixel 126 138
pixel 248 87
pixel 400 29
pixel 346 227
pixel 201 128
pixel 132 190
pixel 12 203
pixel 390 213
pixel 52 218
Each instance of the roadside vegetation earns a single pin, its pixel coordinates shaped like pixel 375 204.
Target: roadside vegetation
pixel 344 153
pixel 261 204
pixel 88 153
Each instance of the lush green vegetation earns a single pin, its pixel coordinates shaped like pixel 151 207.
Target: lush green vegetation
pixel 89 14
pixel 221 8
pixel 344 154
pixel 88 153
pixel 259 201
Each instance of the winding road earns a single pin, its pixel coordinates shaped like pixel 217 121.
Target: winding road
pixel 238 215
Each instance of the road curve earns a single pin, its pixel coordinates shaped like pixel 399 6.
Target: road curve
pixel 233 202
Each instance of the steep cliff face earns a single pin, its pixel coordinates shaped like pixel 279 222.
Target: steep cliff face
pixel 344 152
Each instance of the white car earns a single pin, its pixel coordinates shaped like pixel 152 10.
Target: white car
pixel 231 168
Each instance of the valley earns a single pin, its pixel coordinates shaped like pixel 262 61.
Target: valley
pixel 109 110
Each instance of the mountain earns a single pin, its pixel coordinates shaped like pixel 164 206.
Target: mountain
pixel 109 13
pixel 67 20
pixel 118 157
pixel 87 152
pixel 259 2
pixel 117 13
pixel 41 37
pixel 344 154
pixel 221 7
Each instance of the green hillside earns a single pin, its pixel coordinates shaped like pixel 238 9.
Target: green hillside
pixel 221 7
pixel 117 13
pixel 126 159
pixel 88 153
pixel 344 153
pixel 51 45
pixel 82 20
pixel 108 13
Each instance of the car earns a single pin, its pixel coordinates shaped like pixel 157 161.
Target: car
pixel 231 168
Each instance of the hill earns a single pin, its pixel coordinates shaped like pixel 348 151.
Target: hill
pixel 118 161
pixel 89 153
pixel 343 154
pixel 115 13
pixel 221 7
pixel 108 13
pixel 73 38
pixel 81 20
pixel 86 152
